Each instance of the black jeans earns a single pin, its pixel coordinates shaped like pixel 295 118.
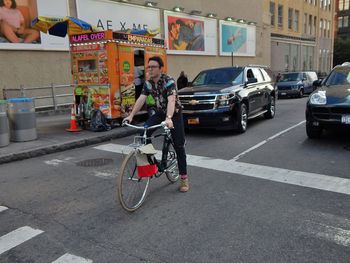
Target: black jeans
pixel 178 135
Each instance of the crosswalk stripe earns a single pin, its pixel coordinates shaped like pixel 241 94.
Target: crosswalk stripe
pixel 305 179
pixel 17 237
pixel 69 258
pixel 3 208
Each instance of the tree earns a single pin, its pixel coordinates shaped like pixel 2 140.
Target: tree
pixel 341 51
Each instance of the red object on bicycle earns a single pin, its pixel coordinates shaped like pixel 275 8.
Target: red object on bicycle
pixel 144 158
pixel 146 170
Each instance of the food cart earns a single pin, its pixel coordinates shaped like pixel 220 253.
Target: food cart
pixel 103 65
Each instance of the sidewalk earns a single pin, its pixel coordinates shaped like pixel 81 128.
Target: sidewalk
pixel 53 137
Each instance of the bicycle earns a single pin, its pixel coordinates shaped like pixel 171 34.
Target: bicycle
pixel 132 189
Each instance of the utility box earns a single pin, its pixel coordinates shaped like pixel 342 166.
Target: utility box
pixel 4 125
pixel 22 121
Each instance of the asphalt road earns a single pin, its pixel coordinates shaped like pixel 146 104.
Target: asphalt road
pixel 268 195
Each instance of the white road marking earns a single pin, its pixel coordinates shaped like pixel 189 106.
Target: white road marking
pixel 305 179
pixel 17 237
pixel 265 141
pixel 57 162
pixel 334 234
pixel 103 174
pixel 68 258
pixel 3 208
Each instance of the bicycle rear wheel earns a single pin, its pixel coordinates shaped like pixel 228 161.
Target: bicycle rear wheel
pixel 132 189
pixel 172 172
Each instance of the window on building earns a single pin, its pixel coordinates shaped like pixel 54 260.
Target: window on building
pixel 329 29
pixel 340 22
pixel 321 24
pixel 286 57
pixel 315 25
pixel 280 15
pixel 305 23
pixel 290 18
pixel 296 20
pixel 329 5
pixel 346 21
pixel 310 24
pixel 321 3
pixel 341 5
pixel 315 2
pixel 272 13
pixel 346 5
pixel 324 28
pixel 310 1
pixel 295 57
pixel 325 4
pixel 311 51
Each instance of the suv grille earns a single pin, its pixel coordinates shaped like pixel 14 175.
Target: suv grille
pixel 284 88
pixel 198 102
pixel 329 113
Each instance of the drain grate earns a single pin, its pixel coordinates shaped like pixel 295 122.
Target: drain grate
pixel 94 162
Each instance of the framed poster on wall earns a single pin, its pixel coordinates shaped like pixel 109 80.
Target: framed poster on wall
pixel 18 34
pixel 187 34
pixel 237 38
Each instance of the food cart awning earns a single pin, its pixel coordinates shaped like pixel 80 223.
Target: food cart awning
pixel 58 26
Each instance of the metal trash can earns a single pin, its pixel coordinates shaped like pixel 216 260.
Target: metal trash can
pixel 21 114
pixel 4 125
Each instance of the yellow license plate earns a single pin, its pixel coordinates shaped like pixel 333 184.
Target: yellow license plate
pixel 193 121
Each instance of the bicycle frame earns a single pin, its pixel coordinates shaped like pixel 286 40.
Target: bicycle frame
pixel 162 165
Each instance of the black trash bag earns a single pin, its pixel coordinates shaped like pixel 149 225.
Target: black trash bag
pixel 98 121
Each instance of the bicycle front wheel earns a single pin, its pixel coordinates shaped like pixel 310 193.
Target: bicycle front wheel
pixel 132 189
pixel 172 171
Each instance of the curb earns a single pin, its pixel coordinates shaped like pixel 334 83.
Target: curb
pixel 65 146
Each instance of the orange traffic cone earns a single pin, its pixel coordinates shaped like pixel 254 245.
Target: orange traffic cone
pixel 73 125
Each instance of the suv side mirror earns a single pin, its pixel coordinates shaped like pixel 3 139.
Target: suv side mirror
pixel 317 83
pixel 252 80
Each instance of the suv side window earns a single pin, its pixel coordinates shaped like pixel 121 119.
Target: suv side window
pixel 258 75
pixel 304 76
pixel 250 74
pixel 265 75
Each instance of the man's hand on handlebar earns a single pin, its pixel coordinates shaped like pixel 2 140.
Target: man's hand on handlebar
pixel 127 119
pixel 169 123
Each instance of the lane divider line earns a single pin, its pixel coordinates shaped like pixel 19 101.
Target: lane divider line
pixel 69 258
pixel 265 141
pixel 3 208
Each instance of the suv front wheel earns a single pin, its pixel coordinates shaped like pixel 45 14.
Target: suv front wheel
pixel 242 118
pixel 271 109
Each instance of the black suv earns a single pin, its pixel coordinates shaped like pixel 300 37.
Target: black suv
pixel 225 98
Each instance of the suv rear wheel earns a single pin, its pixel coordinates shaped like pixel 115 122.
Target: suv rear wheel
pixel 242 119
pixel 271 109
pixel 312 131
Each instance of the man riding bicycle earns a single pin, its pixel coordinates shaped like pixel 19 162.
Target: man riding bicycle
pixel 163 89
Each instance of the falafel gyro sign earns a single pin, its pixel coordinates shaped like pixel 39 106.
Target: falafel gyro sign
pixel 190 34
pixel 107 15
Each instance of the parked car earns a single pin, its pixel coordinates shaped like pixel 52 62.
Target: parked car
pixel 296 83
pixel 225 98
pixel 329 105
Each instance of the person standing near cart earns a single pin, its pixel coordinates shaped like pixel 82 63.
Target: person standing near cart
pixel 163 89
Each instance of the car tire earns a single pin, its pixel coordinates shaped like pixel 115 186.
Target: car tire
pixel 312 131
pixel 242 119
pixel 301 93
pixel 271 109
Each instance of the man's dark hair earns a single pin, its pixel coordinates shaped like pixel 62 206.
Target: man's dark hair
pixel 180 22
pixel 170 26
pixel 158 60
pixel 14 5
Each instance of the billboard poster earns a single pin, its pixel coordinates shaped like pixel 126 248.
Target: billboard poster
pixel 16 17
pixel 237 38
pixel 108 15
pixel 187 34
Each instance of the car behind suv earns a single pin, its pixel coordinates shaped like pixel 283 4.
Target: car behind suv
pixel 225 98
pixel 329 105
pixel 296 83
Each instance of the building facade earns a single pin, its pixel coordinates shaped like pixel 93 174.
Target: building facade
pixel 342 20
pixel 302 34
pixel 47 60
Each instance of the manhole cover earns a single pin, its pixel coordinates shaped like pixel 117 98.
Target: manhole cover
pixel 347 147
pixel 95 162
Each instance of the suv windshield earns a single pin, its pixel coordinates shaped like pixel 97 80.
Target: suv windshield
pixel 232 76
pixel 339 76
pixel 290 77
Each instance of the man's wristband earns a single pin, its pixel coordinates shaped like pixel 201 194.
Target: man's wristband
pixel 169 117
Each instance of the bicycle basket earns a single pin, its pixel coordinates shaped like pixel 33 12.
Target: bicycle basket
pixel 146 166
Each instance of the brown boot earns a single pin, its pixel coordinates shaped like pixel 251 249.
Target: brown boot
pixel 184 185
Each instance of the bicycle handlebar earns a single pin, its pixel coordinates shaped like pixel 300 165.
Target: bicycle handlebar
pixel 162 124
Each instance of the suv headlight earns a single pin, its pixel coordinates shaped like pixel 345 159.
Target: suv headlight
pixel 319 98
pixel 225 100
